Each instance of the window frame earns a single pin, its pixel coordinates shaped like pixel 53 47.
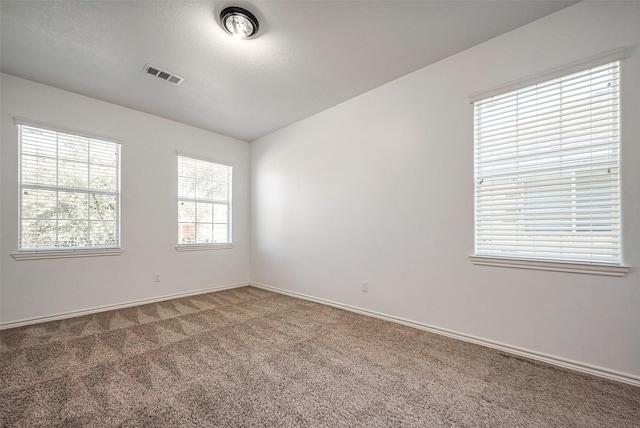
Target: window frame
pixel 587 267
pixel 229 202
pixel 28 253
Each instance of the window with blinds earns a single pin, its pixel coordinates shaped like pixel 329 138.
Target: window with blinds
pixel 547 170
pixel 204 202
pixel 69 191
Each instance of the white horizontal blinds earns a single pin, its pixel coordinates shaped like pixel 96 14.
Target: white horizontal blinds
pixel 69 191
pixel 547 183
pixel 204 202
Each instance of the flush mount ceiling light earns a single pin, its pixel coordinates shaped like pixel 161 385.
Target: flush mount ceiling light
pixel 239 22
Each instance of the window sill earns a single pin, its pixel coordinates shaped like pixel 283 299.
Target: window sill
pixel 62 254
pixel 204 247
pixel 573 267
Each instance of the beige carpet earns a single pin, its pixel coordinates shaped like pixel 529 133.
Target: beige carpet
pixel 248 357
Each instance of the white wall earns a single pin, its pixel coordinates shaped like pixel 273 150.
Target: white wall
pixel 380 188
pixel 38 288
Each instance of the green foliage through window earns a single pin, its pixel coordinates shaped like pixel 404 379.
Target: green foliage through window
pixel 69 191
pixel 204 202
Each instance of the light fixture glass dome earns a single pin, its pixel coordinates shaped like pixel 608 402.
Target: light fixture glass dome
pixel 239 22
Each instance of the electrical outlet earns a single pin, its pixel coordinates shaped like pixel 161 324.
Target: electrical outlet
pixel 156 277
pixel 365 286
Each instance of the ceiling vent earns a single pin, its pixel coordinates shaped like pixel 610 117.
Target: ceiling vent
pixel 163 74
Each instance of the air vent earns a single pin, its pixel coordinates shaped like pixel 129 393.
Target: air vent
pixel 163 74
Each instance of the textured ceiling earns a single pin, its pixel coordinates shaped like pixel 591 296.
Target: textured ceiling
pixel 308 55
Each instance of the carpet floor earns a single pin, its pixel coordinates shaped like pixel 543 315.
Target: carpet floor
pixel 249 357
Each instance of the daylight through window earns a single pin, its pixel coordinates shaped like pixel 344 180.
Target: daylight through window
pixel 69 191
pixel 204 202
pixel 547 170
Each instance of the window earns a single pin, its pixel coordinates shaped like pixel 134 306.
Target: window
pixel 204 203
pixel 69 191
pixel 547 170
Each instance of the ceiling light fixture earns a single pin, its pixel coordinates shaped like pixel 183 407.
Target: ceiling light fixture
pixel 239 22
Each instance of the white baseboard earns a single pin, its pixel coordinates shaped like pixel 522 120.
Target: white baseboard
pixel 549 359
pixel 72 314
